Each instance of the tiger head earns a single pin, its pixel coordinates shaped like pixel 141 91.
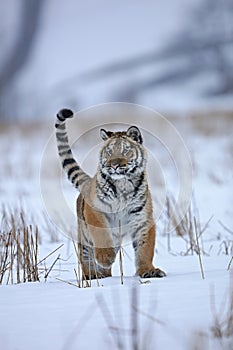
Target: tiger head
pixel 123 153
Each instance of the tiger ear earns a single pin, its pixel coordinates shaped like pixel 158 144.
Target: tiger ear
pixel 105 134
pixel 135 134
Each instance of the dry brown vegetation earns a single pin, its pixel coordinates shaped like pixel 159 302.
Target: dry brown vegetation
pixel 187 226
pixel 19 249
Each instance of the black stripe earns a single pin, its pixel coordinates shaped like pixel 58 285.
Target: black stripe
pixel 62 139
pixel 105 201
pixel 138 185
pixel 63 147
pixel 137 209
pixel 143 225
pixel 110 183
pixel 105 190
pixel 68 152
pixel 60 126
pixel 62 119
pixel 103 175
pixel 113 188
pixel 71 170
pixel 74 177
pixel 80 181
pixel 133 170
pixel 135 244
pixel 82 207
pixel 86 250
pixel 61 133
pixel 68 162
pixel 139 153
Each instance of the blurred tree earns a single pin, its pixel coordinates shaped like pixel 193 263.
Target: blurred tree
pixel 19 27
pixel 208 42
pixel 205 45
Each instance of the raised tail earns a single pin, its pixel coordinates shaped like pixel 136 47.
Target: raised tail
pixel 75 174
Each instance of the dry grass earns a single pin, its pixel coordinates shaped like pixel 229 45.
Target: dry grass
pixel 230 262
pixel 19 244
pixel 222 328
pixel 199 341
pixel 19 249
pixel 189 228
pixel 226 245
pixel 198 247
pixel 19 252
pixel 19 256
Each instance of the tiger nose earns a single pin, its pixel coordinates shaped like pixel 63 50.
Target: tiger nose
pixel 115 166
pixel 116 163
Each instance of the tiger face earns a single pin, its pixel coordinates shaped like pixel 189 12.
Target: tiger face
pixel 122 154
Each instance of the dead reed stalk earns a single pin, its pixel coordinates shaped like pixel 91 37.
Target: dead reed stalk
pixel 82 282
pixel 223 319
pixel 199 251
pixel 185 227
pixel 229 265
pixel 18 255
pixel 19 249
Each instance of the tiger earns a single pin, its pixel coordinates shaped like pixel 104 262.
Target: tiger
pixel 116 202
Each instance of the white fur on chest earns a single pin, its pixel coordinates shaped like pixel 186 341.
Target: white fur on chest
pixel 121 199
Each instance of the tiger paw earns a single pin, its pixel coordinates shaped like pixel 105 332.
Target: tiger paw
pixel 92 275
pixel 152 273
pixel 105 256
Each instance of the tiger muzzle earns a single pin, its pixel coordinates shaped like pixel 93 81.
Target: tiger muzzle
pixel 117 163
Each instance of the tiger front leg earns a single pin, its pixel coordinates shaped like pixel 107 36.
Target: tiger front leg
pixel 105 257
pixel 144 253
pixel 90 269
pixel 104 251
pixel 100 234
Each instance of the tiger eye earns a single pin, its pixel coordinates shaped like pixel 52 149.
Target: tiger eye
pixel 109 151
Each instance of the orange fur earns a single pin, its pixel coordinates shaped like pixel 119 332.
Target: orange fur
pixel 117 193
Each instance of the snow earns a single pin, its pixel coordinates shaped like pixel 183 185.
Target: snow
pixel 176 312
pixel 58 316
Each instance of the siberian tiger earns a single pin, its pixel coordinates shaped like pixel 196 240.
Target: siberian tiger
pixel 114 203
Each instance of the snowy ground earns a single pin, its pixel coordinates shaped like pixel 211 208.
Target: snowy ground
pixel 173 312
pixel 177 312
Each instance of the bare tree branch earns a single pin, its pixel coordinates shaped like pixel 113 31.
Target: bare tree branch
pixel 29 23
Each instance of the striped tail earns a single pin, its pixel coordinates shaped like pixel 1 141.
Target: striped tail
pixel 75 174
